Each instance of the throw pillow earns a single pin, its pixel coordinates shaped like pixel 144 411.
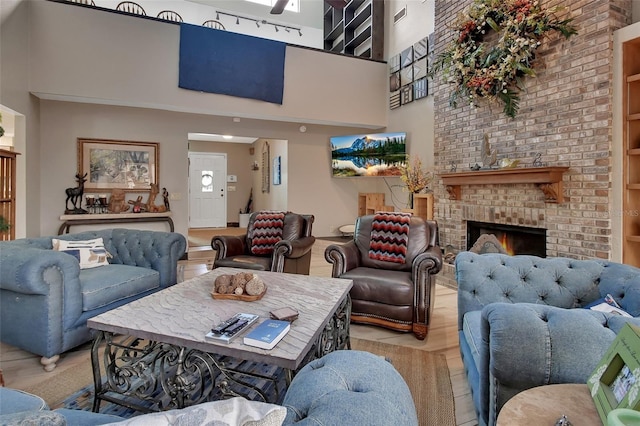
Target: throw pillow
pixel 267 231
pixel 389 236
pixel 90 253
pixel 236 411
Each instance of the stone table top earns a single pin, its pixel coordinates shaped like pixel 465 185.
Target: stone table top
pixel 184 313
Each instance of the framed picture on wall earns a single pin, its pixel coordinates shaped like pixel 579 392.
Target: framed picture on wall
pixel 276 170
pixel 406 57
pixel 112 164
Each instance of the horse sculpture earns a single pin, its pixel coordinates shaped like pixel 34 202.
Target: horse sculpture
pixel 75 195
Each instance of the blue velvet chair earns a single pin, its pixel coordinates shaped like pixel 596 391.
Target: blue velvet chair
pixel 522 322
pixel 46 299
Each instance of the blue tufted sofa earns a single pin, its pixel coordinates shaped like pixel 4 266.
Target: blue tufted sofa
pixel 521 322
pixel 341 388
pixel 46 299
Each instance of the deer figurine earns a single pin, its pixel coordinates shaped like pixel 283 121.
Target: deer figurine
pixel 75 194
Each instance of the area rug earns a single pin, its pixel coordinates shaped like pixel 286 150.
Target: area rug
pixel 426 374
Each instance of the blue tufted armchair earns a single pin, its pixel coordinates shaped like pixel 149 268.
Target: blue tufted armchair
pixel 521 321
pixel 46 299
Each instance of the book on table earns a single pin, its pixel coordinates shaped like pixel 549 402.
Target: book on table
pixel 267 334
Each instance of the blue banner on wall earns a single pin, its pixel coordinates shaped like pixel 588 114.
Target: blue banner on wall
pixel 218 61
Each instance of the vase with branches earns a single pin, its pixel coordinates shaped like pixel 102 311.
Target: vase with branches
pixel 415 177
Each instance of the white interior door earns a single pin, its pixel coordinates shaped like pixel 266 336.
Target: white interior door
pixel 207 190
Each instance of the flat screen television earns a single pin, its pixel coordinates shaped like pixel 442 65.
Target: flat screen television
pixel 377 154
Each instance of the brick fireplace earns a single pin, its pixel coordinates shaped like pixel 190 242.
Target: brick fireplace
pixel 565 119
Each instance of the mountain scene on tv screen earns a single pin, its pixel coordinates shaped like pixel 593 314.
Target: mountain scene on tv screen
pixel 381 154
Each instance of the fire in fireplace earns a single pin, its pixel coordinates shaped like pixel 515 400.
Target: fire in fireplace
pixel 514 239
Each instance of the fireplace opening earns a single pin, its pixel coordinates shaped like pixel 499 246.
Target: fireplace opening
pixel 514 239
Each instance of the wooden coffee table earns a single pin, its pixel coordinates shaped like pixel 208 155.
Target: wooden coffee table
pixel 154 349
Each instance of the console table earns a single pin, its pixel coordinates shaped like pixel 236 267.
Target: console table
pixel 69 220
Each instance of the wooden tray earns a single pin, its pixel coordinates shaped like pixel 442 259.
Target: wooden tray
pixel 243 297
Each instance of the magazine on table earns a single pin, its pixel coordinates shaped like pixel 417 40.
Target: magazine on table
pixel 610 305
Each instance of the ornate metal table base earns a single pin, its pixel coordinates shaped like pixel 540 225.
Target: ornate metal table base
pixel 152 376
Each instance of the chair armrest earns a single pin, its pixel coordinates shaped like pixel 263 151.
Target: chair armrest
pixel 28 270
pixel 295 248
pixel 428 262
pixel 39 287
pixel 228 245
pixel 423 269
pixel 344 257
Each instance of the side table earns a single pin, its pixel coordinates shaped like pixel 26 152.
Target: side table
pixel 544 405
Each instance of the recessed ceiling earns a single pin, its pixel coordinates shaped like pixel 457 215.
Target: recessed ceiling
pixel 209 137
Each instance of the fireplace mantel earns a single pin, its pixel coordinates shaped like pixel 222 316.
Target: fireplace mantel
pixel 548 179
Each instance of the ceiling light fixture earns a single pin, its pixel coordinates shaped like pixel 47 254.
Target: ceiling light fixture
pixel 227 136
pixel 259 22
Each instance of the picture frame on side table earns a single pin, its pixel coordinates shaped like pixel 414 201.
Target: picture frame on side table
pixel 113 164
pixel 615 383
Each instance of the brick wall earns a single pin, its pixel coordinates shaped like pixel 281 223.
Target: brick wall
pixel 565 114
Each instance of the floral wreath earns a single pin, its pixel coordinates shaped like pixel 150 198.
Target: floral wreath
pixel 495 70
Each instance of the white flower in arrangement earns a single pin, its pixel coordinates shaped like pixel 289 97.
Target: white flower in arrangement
pixel 595 379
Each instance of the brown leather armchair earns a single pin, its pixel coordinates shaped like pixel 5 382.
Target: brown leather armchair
pixel 398 296
pixel 292 254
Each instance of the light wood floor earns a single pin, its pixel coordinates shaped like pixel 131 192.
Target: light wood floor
pixel 22 370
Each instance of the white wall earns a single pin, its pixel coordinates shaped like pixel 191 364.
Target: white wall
pixel 94 56
pixel 306 161
pixel 101 59
pixel 276 197
pixel 14 95
pixel 415 118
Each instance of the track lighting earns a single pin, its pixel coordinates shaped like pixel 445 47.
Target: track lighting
pixel 259 23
